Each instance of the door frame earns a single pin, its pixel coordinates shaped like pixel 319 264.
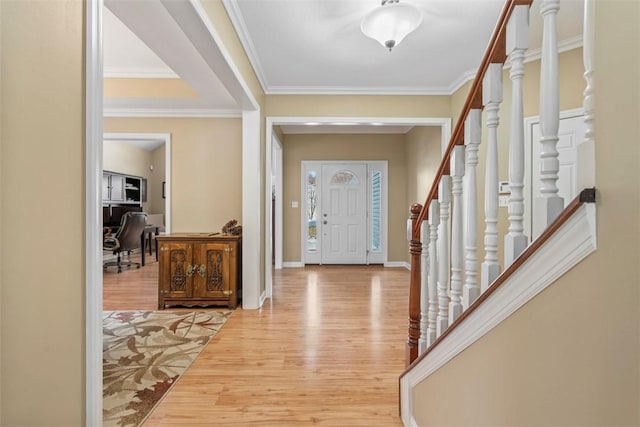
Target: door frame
pixel 166 140
pixel 381 165
pixel 528 164
pixel 443 122
pixel 277 187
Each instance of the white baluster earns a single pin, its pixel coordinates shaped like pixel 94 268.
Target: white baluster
pixel 550 204
pixel 457 173
pixel 444 197
pixel 434 221
pixel 472 137
pixel 424 283
pixel 491 98
pixel 586 168
pixel 517 43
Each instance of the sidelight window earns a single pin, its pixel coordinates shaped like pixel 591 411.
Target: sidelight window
pixel 312 208
pixel 376 211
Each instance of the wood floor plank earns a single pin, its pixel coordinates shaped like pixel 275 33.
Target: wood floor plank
pixel 326 350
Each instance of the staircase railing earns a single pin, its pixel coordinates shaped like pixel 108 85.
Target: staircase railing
pixel 445 279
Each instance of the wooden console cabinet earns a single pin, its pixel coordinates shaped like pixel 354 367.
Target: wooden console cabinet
pixel 199 270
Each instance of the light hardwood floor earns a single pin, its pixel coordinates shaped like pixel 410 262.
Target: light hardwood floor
pixel 326 350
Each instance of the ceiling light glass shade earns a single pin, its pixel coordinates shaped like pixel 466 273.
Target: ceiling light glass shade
pixel 391 23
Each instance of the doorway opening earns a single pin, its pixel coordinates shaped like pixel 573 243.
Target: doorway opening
pixel 155 168
pixel 344 212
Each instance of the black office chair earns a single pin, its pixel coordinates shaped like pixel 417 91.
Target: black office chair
pixel 126 239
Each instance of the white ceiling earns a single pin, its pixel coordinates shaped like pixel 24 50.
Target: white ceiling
pixel 125 55
pixel 310 46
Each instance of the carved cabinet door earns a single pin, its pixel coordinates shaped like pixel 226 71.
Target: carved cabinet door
pixel 178 270
pixel 214 269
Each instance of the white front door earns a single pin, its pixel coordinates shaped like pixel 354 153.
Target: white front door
pixel 343 213
pixel 570 133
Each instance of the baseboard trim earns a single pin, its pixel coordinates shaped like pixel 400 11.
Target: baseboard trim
pixel 293 264
pixel 390 264
pixel 396 264
pixel 574 241
pixel 263 297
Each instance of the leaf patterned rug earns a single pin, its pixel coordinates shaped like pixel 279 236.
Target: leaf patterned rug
pixel 144 353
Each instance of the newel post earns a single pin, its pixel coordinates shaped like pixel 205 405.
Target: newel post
pixel 415 250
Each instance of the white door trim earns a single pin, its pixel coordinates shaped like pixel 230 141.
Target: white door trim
pixel 252 277
pixel 529 122
pixel 93 227
pixel 166 140
pixel 279 205
pixel 443 122
pixel 274 146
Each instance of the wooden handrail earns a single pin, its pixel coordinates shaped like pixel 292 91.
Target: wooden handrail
pixel 586 196
pixel 496 52
pixel 414 293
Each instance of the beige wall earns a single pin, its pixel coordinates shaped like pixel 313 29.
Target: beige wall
pixel 570 356
pixel 206 168
pixel 147 88
pixel 224 28
pixel 357 106
pixel 344 147
pixel 121 157
pixel 42 249
pixel 423 155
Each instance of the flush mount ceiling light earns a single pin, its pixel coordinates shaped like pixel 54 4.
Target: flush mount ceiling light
pixel 390 23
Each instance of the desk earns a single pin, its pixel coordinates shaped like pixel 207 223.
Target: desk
pixel 148 233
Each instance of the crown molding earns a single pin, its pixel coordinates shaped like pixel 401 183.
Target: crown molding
pixel 170 112
pixel 464 78
pixel 563 46
pixel 530 56
pixel 343 90
pixel 235 15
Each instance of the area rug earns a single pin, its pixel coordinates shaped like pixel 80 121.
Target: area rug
pixel 144 354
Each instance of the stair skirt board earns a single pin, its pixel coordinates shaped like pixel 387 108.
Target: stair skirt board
pixel 574 241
